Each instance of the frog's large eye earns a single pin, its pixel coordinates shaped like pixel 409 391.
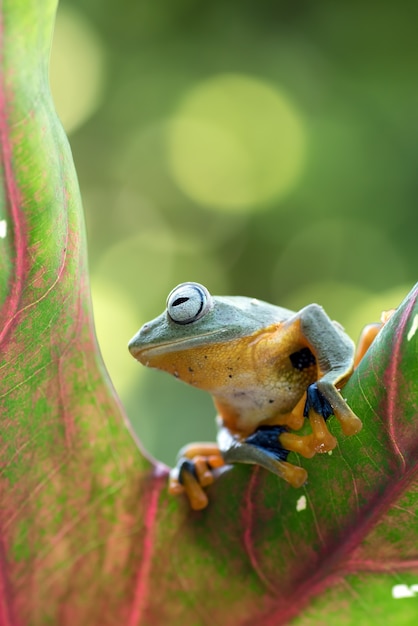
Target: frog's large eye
pixel 188 302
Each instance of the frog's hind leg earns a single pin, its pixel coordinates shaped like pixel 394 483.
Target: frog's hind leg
pixel 262 448
pixel 369 334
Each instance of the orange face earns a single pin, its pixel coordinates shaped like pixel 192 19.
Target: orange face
pixel 250 378
pixel 214 366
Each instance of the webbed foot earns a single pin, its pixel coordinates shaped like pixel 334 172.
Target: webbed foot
pixel 317 409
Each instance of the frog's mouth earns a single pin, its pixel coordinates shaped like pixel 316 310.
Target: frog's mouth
pixel 145 352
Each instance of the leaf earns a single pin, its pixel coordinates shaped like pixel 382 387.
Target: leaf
pixel 88 534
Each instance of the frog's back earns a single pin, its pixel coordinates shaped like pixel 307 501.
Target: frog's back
pixel 261 314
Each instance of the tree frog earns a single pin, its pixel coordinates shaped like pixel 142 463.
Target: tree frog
pixel 268 369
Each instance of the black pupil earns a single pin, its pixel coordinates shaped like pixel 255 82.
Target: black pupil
pixel 179 301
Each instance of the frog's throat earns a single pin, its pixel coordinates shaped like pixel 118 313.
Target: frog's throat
pixel 143 353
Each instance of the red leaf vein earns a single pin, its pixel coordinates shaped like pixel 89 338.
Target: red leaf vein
pixel 142 591
pixel 391 378
pixel 247 524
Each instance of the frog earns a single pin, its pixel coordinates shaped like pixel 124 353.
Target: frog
pixel 269 371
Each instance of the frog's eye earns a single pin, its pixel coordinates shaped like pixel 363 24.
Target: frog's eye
pixel 188 302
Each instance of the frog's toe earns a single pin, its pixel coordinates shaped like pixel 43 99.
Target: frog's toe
pixel 188 478
pixel 175 488
pixel 203 472
pixel 293 474
pixel 318 407
pixel 323 440
pixel 304 445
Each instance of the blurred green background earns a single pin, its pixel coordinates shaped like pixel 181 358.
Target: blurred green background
pixel 266 149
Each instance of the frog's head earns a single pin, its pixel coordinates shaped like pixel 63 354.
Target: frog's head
pixel 194 323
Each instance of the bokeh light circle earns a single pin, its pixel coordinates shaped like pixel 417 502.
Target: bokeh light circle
pixel 77 68
pixel 338 298
pixel 338 249
pixel 235 143
pixel 115 321
pixel 370 309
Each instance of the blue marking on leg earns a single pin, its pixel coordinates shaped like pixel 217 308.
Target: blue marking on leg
pixel 317 401
pixel 267 439
pixel 185 465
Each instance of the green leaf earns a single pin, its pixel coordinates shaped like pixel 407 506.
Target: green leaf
pixel 88 534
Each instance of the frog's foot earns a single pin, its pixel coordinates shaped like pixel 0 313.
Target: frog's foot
pixel 194 471
pixel 386 315
pixel 368 335
pixel 295 419
pixel 184 479
pixel 292 474
pixel 318 409
pixel 318 405
pixel 271 454
pixel 319 441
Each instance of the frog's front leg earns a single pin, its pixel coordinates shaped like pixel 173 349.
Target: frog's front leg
pixel 194 471
pixel 334 355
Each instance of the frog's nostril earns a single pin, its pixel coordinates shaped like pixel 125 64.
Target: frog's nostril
pixel 144 331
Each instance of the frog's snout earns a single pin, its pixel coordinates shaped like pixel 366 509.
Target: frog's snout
pixel 136 344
